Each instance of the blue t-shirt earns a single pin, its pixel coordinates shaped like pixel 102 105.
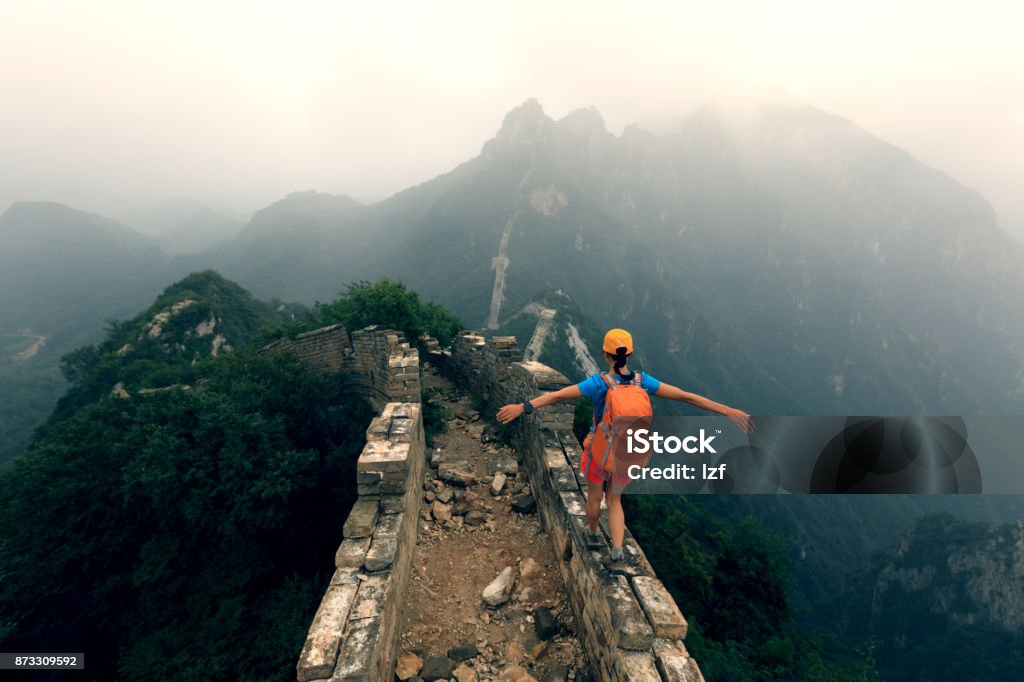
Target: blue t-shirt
pixel 595 388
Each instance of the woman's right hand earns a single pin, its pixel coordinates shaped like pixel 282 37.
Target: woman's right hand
pixel 510 413
pixel 741 419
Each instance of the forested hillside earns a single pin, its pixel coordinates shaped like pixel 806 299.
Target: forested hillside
pixel 177 516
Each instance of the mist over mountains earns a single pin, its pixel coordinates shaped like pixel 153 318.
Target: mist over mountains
pixel 183 225
pixel 826 267
pixel 774 256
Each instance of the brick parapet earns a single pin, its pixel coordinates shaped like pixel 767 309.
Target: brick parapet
pixel 354 634
pixel 379 363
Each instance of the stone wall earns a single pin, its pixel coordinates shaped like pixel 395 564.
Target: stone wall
pixel 629 623
pixel 378 362
pixel 356 628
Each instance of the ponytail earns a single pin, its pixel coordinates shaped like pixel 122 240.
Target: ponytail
pixel 620 361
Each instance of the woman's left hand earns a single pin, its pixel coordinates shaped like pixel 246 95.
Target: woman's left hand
pixel 510 413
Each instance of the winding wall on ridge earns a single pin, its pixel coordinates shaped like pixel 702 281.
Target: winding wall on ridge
pixel 631 626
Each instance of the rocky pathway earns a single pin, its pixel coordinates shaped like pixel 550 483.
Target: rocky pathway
pixel 486 601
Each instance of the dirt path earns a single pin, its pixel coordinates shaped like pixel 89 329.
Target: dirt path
pixel 468 536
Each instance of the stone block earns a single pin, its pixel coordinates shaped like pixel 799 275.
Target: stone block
pixel 357 651
pixel 563 478
pixel 401 430
pixel 391 487
pixel 628 620
pixel 459 473
pixel 406 410
pixel 392 504
pixel 320 650
pixel 369 478
pixel 346 575
pixel 351 552
pixel 662 612
pixel 383 456
pixel 554 457
pixel 677 668
pixel 638 666
pixel 506 465
pixel 369 490
pixel 393 476
pixel 388 525
pixel 372 595
pixel 378 429
pixel 573 502
pixel 381 554
pixel 362 519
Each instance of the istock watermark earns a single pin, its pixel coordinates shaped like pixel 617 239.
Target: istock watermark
pixel 643 441
pixel 822 455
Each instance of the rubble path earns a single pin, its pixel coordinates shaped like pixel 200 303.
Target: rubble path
pixel 471 541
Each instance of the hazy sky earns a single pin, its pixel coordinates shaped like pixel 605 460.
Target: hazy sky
pixel 113 106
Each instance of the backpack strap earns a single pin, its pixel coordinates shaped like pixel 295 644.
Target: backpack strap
pixel 612 383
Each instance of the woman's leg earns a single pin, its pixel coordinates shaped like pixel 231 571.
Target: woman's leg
pixel 594 493
pixel 616 518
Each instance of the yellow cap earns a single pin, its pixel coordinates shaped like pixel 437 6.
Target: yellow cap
pixel 616 339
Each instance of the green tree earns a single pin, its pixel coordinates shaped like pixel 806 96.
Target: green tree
pixel 389 304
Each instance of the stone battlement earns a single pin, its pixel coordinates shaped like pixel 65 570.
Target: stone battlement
pixel 379 363
pixel 355 631
pixel 630 624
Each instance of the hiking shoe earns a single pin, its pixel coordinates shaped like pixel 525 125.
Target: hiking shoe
pixel 618 563
pixel 594 539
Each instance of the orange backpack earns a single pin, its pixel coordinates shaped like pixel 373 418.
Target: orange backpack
pixel 627 406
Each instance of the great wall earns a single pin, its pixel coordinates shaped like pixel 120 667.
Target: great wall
pixel 625 622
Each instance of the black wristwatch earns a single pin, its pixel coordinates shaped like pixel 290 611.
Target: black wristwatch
pixel 528 407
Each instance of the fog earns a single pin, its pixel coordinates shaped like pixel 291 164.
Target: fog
pixel 118 106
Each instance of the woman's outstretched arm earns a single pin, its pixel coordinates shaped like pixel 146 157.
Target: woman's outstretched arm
pixel 737 417
pixel 512 412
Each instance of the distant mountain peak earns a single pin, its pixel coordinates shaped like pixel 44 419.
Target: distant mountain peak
pixel 583 121
pixel 48 209
pixel 29 224
pixel 526 124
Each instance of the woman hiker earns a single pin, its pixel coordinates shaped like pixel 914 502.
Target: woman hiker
pixel 617 347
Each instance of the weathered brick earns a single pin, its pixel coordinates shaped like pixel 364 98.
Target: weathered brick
pixel 388 525
pixel 351 552
pixel 320 651
pixel 381 554
pixel 563 478
pixel 383 456
pixel 362 519
pixel 392 504
pixel 573 502
pixel 676 668
pixel 355 664
pixel 371 596
pixel 629 622
pixel 659 607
